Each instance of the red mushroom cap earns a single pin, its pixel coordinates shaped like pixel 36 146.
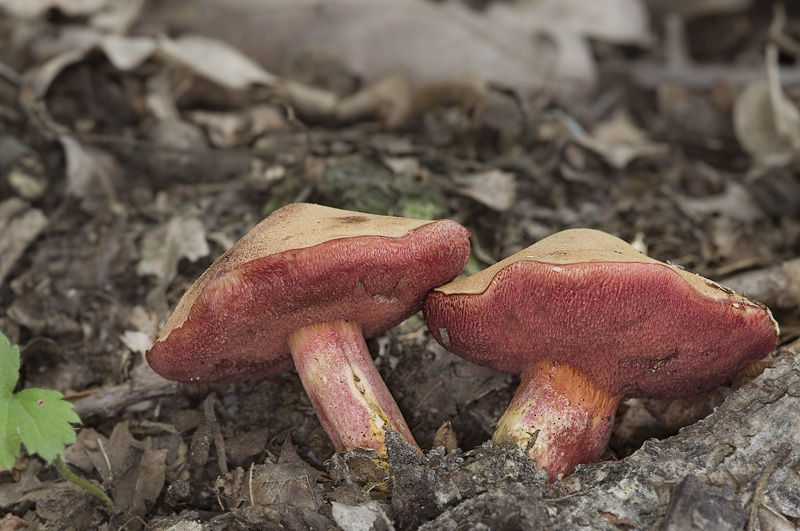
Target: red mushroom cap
pixel 303 264
pixel 586 299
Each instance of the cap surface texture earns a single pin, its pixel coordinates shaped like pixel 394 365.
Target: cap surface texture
pixel 585 298
pixel 302 265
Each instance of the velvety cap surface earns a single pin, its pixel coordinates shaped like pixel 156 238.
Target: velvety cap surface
pixel 304 264
pixel 637 326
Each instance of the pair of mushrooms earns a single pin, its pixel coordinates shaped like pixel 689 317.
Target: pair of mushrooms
pixel 581 315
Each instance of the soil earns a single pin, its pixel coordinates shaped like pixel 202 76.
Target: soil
pixel 123 177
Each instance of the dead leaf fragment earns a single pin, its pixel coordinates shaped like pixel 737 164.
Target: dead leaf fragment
pixel 445 437
pixel 118 16
pixel 494 188
pixel 91 175
pixel 615 21
pixel 127 53
pixel 431 44
pixel 368 516
pixel 766 121
pixel 619 141
pixel 777 286
pixel 12 523
pixel 270 484
pixel 136 471
pixel 140 485
pixel 735 202
pixel 216 60
pixel 20 225
pixel 230 129
pixel 164 247
pixel 389 99
pixel 35 8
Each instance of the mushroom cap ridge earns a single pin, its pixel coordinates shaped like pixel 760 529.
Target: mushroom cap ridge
pixel 636 326
pixel 304 264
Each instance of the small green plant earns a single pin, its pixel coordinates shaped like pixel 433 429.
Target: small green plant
pixel 38 418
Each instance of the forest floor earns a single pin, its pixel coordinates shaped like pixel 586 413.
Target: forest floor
pixel 140 140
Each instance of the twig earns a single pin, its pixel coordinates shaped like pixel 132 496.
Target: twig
pixel 133 520
pixel 219 441
pixel 250 484
pixel 105 457
pixel 783 451
pixel 143 385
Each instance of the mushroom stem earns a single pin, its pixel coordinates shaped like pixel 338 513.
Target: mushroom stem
pixel 345 388
pixel 558 417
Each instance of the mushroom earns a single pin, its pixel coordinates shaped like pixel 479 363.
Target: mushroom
pixel 586 320
pixel 303 289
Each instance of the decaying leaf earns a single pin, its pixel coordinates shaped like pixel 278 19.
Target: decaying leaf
pixel 777 286
pixel 20 225
pixel 766 121
pixel 619 141
pixel 617 21
pixel 734 202
pixel 162 248
pixel 139 486
pixel 288 489
pixel 230 129
pixel 212 59
pixel 35 8
pixel 432 45
pixel 368 516
pixel 91 175
pixel 134 468
pixel 215 60
pixel 494 188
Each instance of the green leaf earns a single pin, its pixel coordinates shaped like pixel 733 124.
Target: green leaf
pixel 37 418
pixel 9 442
pixel 9 367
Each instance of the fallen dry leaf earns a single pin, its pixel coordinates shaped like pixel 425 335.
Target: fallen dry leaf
pixel 20 225
pixel 12 523
pixel 215 60
pixel 163 247
pixel 766 121
pixel 19 491
pixel 212 59
pixel 735 202
pixel 230 129
pixel 777 286
pixel 138 487
pixel 431 45
pixel 35 8
pixel 496 189
pixel 445 437
pixel 23 167
pixel 118 16
pixel 289 485
pixel 619 141
pixel 615 21
pixel 368 516
pixel 91 175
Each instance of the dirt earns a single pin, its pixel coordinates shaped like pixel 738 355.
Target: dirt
pixel 126 171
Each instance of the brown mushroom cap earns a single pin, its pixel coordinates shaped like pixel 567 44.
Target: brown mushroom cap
pixel 302 265
pixel 584 298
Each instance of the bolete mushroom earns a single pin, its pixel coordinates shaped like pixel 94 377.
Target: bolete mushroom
pixel 303 289
pixel 586 320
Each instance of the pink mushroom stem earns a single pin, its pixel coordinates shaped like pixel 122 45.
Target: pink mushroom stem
pixel 344 386
pixel 558 417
